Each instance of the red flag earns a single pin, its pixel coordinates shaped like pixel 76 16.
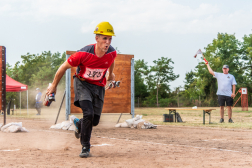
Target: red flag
pixel 198 52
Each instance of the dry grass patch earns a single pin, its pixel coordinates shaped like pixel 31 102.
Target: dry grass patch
pixel 242 119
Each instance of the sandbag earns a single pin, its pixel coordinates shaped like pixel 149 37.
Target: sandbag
pixel 134 125
pixel 13 127
pixel 56 126
pixel 118 125
pixel 65 125
pixel 131 121
pixel 72 127
pixel 146 125
pixel 138 117
pixel 122 125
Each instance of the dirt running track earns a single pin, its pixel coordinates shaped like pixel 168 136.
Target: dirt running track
pixel 167 146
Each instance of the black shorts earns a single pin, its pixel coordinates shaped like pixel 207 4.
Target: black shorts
pixel 86 91
pixel 222 99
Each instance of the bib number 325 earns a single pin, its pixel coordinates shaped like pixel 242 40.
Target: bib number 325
pixel 94 74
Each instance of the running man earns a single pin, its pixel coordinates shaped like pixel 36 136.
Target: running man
pixel 92 62
pixel 226 90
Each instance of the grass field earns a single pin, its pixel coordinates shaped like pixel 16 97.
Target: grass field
pixel 242 119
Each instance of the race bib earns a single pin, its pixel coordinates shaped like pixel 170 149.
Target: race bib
pixel 94 74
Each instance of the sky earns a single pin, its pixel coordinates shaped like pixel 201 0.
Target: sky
pixel 148 29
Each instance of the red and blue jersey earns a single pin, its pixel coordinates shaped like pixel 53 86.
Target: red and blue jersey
pixel 91 67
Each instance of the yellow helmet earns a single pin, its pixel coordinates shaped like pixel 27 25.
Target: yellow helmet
pixel 104 28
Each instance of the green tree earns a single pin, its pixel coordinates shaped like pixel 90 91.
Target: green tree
pixel 189 79
pixel 247 56
pixel 36 71
pixel 141 69
pixel 47 69
pixel 160 75
pixel 247 51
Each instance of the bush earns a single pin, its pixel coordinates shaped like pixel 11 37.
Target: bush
pixel 168 102
pixel 150 102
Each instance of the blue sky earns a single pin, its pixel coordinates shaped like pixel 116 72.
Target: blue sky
pixel 149 29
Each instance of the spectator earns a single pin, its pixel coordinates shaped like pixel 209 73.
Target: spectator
pixel 38 101
pixel 226 90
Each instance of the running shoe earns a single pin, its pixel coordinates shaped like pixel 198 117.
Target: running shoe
pixel 77 128
pixel 84 152
pixel 230 121
pixel 221 120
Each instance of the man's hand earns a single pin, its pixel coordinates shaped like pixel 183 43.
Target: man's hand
pixel 111 77
pixel 51 89
pixel 206 62
pixel 232 95
pixel 60 72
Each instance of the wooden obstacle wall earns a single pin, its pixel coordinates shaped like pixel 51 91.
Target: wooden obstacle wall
pixel 117 100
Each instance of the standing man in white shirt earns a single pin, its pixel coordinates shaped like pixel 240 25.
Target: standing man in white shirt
pixel 226 90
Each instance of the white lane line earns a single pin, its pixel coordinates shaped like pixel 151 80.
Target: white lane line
pixel 55 130
pixel 189 146
pixel 9 150
pixel 103 145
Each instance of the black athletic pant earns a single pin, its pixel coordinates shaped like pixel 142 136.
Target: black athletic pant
pixel 87 122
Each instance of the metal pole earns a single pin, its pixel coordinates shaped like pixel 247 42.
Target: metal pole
pixel 14 107
pixel 178 97
pixel 132 89
pixel 209 117
pixel 3 61
pixel 20 104
pixel 204 113
pixel 60 107
pixel 199 101
pixel 27 102
pixel 68 92
pixel 119 118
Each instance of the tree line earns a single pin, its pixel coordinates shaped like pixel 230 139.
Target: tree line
pixel 152 87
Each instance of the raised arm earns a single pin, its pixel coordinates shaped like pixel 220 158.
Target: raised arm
pixel 208 67
pixel 60 72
